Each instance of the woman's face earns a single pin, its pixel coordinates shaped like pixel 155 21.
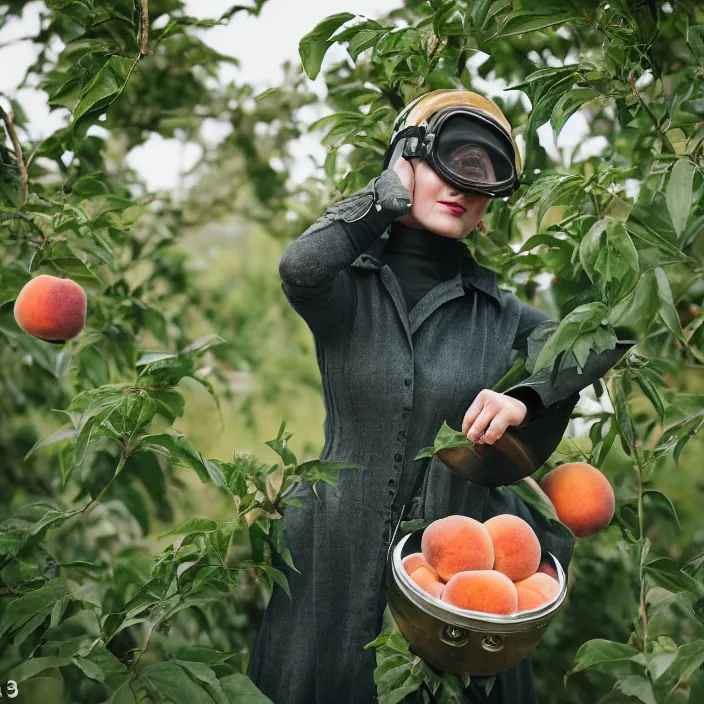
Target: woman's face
pixel 428 211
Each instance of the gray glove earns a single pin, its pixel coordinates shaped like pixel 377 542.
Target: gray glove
pixel 385 193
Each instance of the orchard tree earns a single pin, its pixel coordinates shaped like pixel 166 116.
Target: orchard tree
pixel 90 608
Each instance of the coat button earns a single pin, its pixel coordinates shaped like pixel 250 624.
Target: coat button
pixel 401 435
pixel 407 382
pixel 391 481
pixel 406 412
pixel 398 457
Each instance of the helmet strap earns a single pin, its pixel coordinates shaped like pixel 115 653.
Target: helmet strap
pixel 412 146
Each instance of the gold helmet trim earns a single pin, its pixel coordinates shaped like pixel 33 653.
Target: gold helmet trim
pixel 425 106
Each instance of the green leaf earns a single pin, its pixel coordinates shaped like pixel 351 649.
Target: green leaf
pixel 599 652
pixel 622 412
pixel 13 277
pixel 535 499
pixel 20 610
pixel 241 690
pixel 123 695
pixel 659 500
pixel 541 74
pixel 410 685
pixel 65 433
pixel 446 438
pixel 192 525
pixel 568 104
pixel 649 222
pixel 665 573
pixel 89 668
pixel 591 245
pixel 610 259
pixel 278 576
pixel 585 320
pixel 33 666
pixel 201 345
pixel 174 684
pixel 638 687
pixel 204 674
pixel 177 448
pixel 104 88
pixel 679 193
pixel 414 525
pixel 314 45
pixel 652 395
pixel 667 308
pixel 315 471
pixel 528 21
pixel 688 659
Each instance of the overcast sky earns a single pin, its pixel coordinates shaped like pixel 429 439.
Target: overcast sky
pixel 261 44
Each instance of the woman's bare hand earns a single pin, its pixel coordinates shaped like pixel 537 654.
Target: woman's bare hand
pixel 490 414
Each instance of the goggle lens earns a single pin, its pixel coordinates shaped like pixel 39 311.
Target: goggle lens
pixel 470 150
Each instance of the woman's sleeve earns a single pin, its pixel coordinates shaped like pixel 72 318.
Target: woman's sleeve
pixel 314 269
pixel 530 320
pixel 550 395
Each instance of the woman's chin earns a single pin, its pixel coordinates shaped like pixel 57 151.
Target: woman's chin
pixel 448 226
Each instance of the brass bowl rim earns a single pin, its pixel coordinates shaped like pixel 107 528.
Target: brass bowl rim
pixel 475 620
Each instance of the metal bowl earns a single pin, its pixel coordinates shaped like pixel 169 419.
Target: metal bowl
pixel 457 640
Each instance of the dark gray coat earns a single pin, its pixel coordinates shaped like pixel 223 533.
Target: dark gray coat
pixel 390 380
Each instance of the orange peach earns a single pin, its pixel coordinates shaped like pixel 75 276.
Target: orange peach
pixel 582 497
pixel 547 568
pixel 427 580
pixel 516 546
pixel 535 591
pixel 455 544
pixel 482 590
pixel 51 308
pixel 415 560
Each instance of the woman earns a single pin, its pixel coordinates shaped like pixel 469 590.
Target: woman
pixel 409 332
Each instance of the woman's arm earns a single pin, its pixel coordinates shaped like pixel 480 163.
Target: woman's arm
pixel 530 319
pixel 553 396
pixel 549 384
pixel 314 272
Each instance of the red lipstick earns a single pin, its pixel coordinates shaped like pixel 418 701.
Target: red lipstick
pixel 454 208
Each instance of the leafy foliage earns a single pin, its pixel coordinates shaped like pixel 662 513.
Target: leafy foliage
pixel 108 592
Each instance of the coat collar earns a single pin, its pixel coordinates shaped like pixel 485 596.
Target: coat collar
pixel 473 274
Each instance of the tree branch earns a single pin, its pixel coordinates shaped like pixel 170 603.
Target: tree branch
pixel 649 112
pixel 144 31
pixel 9 121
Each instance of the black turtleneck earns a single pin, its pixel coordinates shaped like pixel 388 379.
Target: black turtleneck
pixel 421 259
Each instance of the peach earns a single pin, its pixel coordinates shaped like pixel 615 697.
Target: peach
pixel 536 590
pixel 415 560
pixel 456 544
pixel 516 546
pixel 51 308
pixel 427 580
pixel 482 590
pixel 582 497
pixel 547 568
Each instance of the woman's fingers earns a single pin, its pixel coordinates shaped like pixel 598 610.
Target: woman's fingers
pixel 471 414
pixel 481 424
pixel 496 429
